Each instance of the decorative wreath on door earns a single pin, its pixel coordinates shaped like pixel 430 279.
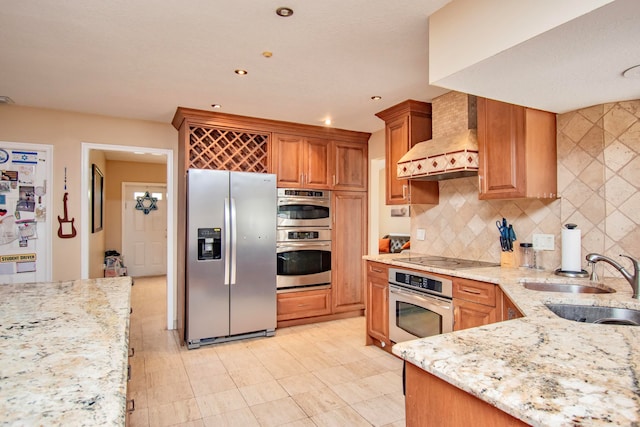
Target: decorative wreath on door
pixel 146 203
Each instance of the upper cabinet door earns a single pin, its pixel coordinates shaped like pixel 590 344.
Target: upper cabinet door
pixel 501 142
pixel 316 161
pixel 350 166
pixel 397 145
pixel 406 124
pixel 517 150
pixel 288 160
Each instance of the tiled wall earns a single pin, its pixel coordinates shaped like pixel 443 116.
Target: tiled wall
pixel 598 183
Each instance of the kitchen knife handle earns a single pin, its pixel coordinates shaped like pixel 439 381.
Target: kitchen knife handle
pixel 227 240
pixel 234 241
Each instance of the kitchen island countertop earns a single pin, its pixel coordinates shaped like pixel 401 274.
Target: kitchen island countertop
pixel 542 369
pixel 63 352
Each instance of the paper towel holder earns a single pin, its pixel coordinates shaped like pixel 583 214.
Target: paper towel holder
pixel 576 274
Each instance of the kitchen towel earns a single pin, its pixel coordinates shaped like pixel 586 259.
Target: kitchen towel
pixel 571 249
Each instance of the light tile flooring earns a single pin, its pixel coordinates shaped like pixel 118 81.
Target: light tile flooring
pixel 311 375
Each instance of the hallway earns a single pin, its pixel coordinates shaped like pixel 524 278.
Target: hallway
pixel 312 375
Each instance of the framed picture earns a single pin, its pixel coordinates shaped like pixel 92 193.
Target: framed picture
pixel 97 198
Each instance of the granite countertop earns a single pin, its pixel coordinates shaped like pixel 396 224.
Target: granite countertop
pixel 542 369
pixel 63 352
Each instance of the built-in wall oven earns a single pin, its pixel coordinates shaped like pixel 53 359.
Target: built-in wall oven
pixel 304 208
pixel 304 258
pixel 420 305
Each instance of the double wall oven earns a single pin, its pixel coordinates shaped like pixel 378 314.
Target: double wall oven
pixel 303 239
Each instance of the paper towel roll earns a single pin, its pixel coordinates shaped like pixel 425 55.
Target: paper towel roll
pixel 571 250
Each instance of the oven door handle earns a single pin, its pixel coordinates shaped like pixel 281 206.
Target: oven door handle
pixel 307 202
pixel 298 246
pixel 426 300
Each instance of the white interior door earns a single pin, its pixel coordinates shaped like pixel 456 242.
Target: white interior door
pixel 144 235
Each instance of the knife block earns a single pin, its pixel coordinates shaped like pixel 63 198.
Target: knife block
pixel 511 259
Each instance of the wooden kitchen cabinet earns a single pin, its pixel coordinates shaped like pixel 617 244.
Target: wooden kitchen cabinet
pixel 475 303
pixel 406 124
pixel 348 248
pixel 377 311
pixel 517 151
pixel 350 171
pixel 430 401
pixel 302 162
pixel 509 309
pixel 295 305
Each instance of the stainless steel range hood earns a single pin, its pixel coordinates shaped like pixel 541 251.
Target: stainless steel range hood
pixel 453 151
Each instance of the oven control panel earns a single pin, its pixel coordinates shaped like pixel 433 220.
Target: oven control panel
pixel 421 281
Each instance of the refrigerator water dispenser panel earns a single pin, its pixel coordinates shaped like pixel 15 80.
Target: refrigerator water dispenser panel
pixel 209 243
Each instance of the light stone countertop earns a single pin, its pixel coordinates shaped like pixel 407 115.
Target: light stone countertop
pixel 63 352
pixel 542 369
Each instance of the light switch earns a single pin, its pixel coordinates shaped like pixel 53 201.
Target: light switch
pixel 420 234
pixel 544 242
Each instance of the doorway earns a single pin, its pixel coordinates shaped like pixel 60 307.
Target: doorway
pixel 171 253
pixel 144 228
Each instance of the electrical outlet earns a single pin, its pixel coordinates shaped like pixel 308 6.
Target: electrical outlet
pixel 421 234
pixel 544 242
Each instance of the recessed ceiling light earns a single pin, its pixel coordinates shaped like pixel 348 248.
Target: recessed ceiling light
pixel 6 100
pixel 632 73
pixel 376 97
pixel 267 54
pixel 217 106
pixel 241 72
pixel 327 122
pixel 285 12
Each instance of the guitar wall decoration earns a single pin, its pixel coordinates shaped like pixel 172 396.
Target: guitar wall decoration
pixel 66 231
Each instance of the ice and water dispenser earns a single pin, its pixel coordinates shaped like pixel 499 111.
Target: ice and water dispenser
pixel 209 243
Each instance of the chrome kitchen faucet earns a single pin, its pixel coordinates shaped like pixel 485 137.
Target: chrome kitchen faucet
pixel 634 280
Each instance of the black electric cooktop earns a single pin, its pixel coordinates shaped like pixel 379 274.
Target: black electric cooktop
pixel 444 262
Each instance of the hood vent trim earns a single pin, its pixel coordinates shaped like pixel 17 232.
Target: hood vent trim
pixel 447 157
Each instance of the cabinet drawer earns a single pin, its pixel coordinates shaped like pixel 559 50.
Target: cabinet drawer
pixel 379 270
pixel 296 305
pixel 470 290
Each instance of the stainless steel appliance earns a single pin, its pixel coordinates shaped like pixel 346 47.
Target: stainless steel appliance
pixel 304 208
pixel 420 305
pixel 230 266
pixel 304 258
pixel 445 262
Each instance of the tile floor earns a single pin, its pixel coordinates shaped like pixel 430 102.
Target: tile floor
pixel 311 375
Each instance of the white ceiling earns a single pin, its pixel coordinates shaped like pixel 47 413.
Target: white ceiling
pixel 141 59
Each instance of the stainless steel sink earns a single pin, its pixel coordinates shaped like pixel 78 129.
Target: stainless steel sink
pixel 591 314
pixel 573 288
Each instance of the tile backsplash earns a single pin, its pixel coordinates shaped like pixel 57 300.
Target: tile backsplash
pixel 598 184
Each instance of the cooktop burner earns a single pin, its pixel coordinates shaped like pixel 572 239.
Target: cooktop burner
pixel 444 262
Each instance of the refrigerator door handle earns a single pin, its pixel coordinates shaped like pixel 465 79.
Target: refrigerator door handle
pixel 234 241
pixel 227 240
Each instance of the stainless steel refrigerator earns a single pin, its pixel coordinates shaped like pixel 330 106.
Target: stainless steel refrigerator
pixel 231 256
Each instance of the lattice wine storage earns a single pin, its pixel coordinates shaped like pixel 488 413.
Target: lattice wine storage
pixel 228 149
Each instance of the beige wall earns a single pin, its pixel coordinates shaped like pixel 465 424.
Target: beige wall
pixel 67 131
pixel 118 172
pixel 598 183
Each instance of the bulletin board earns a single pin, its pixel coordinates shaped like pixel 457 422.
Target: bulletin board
pixel 25 211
